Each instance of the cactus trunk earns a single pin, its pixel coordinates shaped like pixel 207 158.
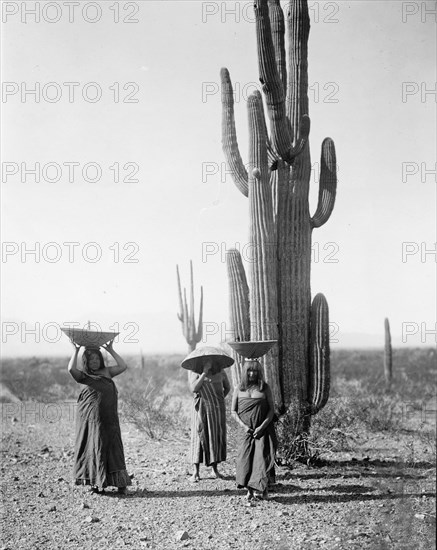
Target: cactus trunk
pixel 281 226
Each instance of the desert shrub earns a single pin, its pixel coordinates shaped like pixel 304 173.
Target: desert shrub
pixel 32 379
pixel 353 411
pixel 154 396
pixel 414 371
pixel 152 411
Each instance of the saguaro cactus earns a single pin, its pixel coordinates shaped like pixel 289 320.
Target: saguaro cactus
pixel 277 185
pixel 388 354
pixel 186 316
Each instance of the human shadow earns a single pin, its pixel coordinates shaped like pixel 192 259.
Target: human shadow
pixel 340 497
pixel 363 468
pixel 194 493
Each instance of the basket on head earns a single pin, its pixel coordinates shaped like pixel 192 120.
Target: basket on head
pixel 252 349
pixel 89 338
pixel 196 360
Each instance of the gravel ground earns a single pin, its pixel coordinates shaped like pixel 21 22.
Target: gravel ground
pixel 382 496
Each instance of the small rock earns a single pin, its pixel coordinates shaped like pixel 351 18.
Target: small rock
pixel 182 535
pixel 419 516
pixel 52 508
pixel 210 536
pixel 41 494
pixel 84 505
pixel 91 519
pixel 15 478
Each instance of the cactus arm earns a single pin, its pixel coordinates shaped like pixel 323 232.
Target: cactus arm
pixel 270 80
pixel 238 306
pixel 239 296
pixel 298 28
pixel 200 323
pixel 328 184
pixel 388 354
pixel 274 90
pixel 191 324
pixel 319 371
pixel 276 16
pixel 271 154
pixel 181 307
pixel 229 135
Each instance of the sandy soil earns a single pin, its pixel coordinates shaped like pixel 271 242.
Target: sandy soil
pixel 382 496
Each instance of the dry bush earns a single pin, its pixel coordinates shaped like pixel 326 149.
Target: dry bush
pixel 44 380
pixel 152 411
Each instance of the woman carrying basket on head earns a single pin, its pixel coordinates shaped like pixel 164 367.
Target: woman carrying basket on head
pixel 253 408
pixel 99 456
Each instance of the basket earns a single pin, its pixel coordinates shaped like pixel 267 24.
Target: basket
pixel 89 338
pixel 252 349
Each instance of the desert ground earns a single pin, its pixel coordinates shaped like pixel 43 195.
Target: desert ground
pixel 369 483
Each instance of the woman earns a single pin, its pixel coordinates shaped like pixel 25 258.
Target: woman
pixel 99 456
pixel 208 425
pixel 253 408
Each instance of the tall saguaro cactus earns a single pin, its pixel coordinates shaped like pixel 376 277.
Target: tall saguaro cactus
pixel 277 186
pixel 186 316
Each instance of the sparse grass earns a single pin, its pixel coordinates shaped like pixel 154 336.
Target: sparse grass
pixel 155 397
pixel 361 405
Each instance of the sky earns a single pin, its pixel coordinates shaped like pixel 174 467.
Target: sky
pixel 123 132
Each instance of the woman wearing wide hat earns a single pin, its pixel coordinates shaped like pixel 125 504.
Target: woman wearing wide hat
pixel 210 385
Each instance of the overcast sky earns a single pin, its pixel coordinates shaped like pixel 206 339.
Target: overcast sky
pixel 138 101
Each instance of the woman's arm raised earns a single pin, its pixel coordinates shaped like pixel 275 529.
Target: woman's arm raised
pixel 121 365
pixel 72 365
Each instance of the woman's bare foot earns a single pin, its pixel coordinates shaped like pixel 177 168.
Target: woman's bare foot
pixel 249 494
pixel 195 478
pixel 217 474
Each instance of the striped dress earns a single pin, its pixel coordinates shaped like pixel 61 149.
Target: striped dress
pixel 208 419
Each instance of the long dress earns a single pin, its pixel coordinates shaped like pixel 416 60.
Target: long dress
pixel 256 457
pixel 208 420
pixel 99 455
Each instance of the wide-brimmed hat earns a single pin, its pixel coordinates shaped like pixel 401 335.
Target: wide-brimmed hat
pixel 196 360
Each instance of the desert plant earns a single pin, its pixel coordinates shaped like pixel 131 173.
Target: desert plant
pixel 186 316
pixel 388 354
pixel 151 411
pixel 277 186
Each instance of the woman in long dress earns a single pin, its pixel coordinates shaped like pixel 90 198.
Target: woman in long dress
pixel 99 455
pixel 253 409
pixel 208 421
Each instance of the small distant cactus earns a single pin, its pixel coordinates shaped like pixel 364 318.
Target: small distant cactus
pixel 186 315
pixel 388 354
